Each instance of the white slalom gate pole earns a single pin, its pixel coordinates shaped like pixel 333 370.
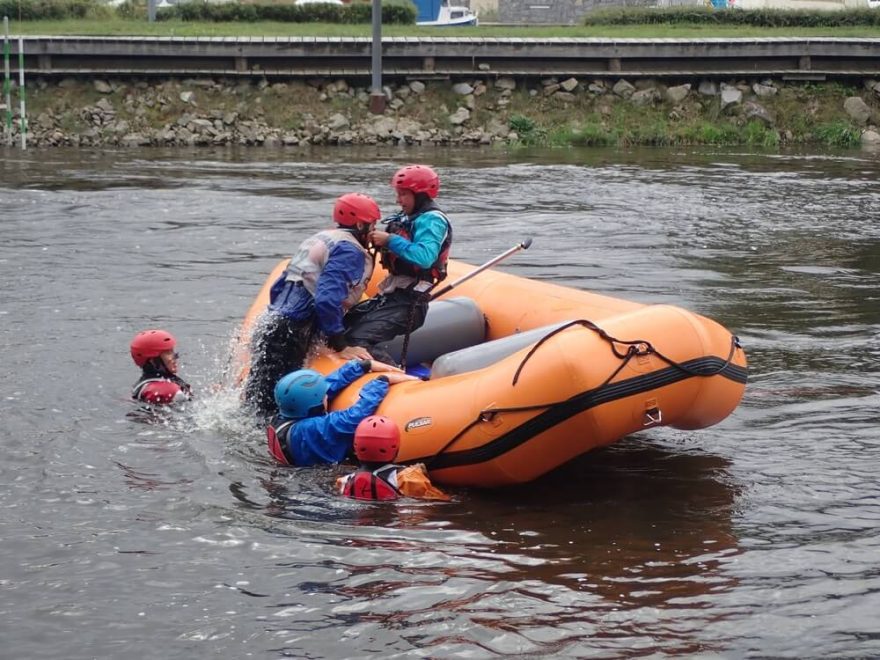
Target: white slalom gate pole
pixel 22 122
pixel 7 84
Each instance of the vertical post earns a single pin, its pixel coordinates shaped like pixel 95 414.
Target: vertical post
pixel 377 96
pixel 151 11
pixel 22 120
pixel 7 85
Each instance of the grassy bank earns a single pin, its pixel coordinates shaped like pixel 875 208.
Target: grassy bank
pixel 119 26
pixel 296 113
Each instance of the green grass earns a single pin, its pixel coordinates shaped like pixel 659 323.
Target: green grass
pixel 837 133
pixel 119 26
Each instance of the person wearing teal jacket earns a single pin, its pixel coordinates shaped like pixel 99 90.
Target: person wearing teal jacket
pixel 415 250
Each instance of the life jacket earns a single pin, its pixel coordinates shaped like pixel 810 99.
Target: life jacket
pixel 366 484
pixel 404 227
pixel 309 262
pixel 276 435
pixel 161 389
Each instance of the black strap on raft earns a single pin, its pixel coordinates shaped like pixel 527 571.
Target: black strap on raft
pixel 411 317
pixel 634 348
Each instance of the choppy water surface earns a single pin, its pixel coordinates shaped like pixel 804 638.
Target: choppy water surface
pixel 177 538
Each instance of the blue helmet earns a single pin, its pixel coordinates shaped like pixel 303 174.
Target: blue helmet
pixel 300 391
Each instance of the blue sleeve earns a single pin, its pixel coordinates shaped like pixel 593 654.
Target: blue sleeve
pixel 343 377
pixel 328 438
pixel 345 266
pixel 429 232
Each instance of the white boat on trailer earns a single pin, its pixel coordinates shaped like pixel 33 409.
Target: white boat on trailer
pixel 440 13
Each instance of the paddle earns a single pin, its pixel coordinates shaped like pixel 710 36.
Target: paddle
pixel 523 245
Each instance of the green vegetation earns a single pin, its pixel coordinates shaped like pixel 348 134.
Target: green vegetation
pixel 808 113
pixel 763 18
pixel 804 114
pixel 837 133
pixel 356 13
pixel 134 12
pixel 140 27
pixel 282 18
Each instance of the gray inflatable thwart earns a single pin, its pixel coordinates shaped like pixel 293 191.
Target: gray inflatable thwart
pixel 477 357
pixel 450 325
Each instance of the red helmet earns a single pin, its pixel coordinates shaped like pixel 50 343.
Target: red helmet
pixel 376 440
pixel 353 208
pixel 417 178
pixel 151 344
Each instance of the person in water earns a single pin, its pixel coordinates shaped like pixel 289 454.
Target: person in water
pixel 376 444
pixel 154 351
pixel 414 251
pixel 304 433
pixel 324 279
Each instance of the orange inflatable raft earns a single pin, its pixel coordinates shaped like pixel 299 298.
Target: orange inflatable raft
pixel 527 375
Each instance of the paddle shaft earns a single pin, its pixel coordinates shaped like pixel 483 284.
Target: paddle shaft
pixel 524 245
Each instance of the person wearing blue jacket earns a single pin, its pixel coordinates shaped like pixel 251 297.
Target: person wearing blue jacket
pixel 303 433
pixel 415 250
pixel 324 279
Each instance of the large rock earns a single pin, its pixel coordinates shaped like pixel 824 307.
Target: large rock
pixel 382 126
pixel 757 111
pixel 730 96
pixel 135 140
pixel 459 117
pixel 708 88
pixel 645 97
pixel 857 109
pixel 408 127
pixel 462 89
pixel 677 94
pixel 497 128
pixel 337 121
pixel 103 87
pixel 505 83
pixel 105 106
pixel 623 89
pixel 762 90
pixel 871 138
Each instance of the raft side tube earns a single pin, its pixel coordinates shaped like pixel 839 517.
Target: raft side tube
pixel 484 355
pixel 450 325
pixel 722 391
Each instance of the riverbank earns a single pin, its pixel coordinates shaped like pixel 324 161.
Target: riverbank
pixel 482 111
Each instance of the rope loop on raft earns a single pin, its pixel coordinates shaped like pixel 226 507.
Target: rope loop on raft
pixel 634 348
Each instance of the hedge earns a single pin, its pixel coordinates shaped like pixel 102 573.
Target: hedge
pixel 401 12
pixel 751 17
pixel 359 12
pixel 35 10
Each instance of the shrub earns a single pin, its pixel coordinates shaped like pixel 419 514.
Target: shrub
pixel 361 12
pixel 41 10
pixel 752 17
pixel 838 133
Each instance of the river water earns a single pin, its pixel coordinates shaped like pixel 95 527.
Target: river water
pixel 125 535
